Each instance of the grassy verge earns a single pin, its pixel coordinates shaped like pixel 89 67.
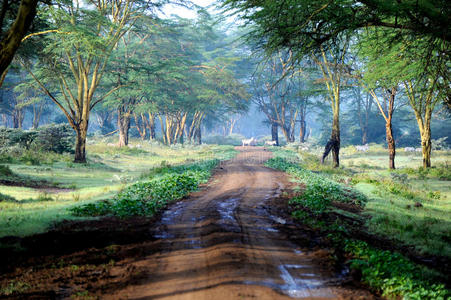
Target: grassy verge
pixel 148 197
pixel 26 210
pixel 387 272
pixel 410 205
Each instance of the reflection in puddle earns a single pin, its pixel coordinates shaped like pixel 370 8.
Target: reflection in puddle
pixel 169 217
pixel 299 287
pixel 278 219
pixel 226 209
pixel 268 229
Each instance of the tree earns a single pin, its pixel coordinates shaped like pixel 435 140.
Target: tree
pixel 335 71
pixel 388 67
pixel 306 25
pixel 274 94
pixel 364 108
pixel 381 72
pixel 77 55
pixel 303 26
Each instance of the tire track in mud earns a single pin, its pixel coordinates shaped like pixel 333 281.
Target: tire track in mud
pixel 223 243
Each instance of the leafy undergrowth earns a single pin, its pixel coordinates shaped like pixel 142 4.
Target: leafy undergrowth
pixel 394 274
pixel 319 192
pixel 148 197
pixel 386 272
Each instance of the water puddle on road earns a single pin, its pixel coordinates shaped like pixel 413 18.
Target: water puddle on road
pixel 226 210
pixel 295 286
pixel 169 217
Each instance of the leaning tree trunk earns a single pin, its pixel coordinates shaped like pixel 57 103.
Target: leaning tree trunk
pixel 123 124
pixel 275 133
pixel 390 144
pixel 11 40
pixel 334 142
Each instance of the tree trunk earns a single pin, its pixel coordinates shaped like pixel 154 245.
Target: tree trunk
pixel 141 125
pixel 123 124
pixel 80 145
pixel 232 126
pixel 151 123
pixel 198 134
pixel 426 146
pixel 334 142
pixel 390 144
pixel 275 133
pixel 364 135
pixel 13 37
pixel 302 132
pixel 37 112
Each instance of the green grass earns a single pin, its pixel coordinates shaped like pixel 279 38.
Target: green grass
pixel 397 206
pixel 108 171
pixel 410 204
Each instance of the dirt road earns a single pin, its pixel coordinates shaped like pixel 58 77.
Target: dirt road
pixel 224 244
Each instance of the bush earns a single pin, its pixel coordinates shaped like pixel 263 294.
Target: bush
pixel 18 144
pixel 5 171
pixel 19 137
pixel 56 138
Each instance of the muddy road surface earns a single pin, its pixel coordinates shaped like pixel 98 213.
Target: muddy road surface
pixel 223 242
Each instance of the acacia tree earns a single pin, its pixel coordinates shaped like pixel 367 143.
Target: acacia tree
pixel 388 67
pixel 275 94
pixel 20 18
pixel 382 66
pixel 335 72
pixel 423 98
pixel 304 26
pixel 77 55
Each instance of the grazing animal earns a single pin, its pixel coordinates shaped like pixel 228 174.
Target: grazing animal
pixel 362 148
pixel 409 149
pixel 270 143
pixel 249 142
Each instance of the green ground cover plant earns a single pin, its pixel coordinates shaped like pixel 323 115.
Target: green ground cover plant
pixel 410 205
pixel 147 198
pixel 319 191
pixel 390 273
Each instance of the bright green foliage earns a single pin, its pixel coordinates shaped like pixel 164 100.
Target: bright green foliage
pixel 319 192
pixel 305 25
pixel 393 274
pixel 147 198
